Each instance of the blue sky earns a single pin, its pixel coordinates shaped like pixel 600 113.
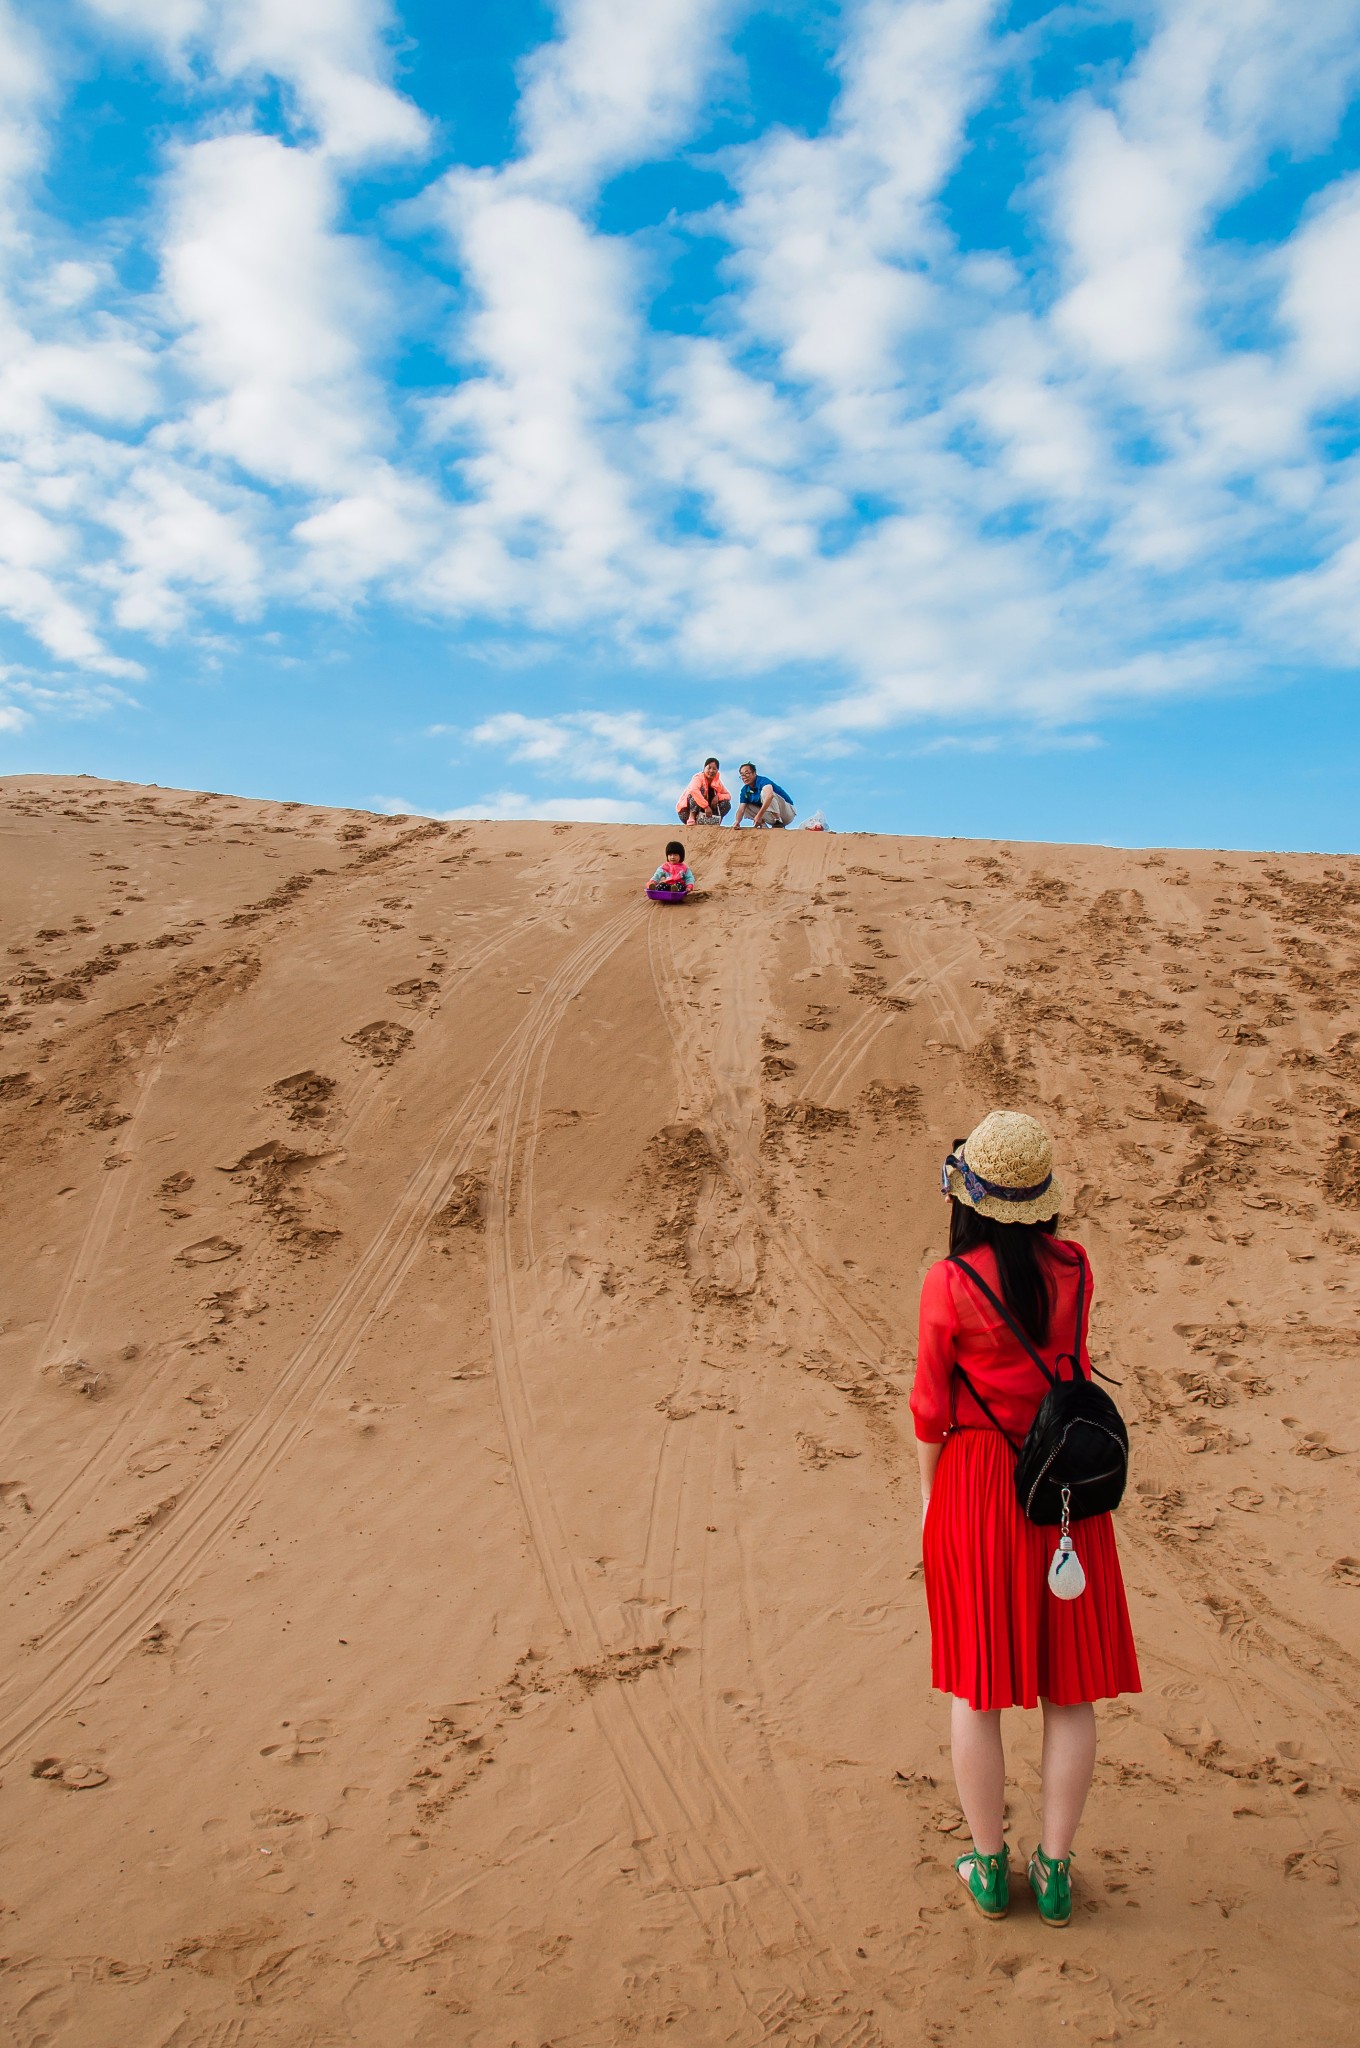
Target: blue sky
pixel 491 410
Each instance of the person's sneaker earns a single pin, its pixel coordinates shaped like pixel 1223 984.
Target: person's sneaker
pixel 1050 1880
pixel 987 1880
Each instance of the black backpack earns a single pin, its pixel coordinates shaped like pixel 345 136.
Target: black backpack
pixel 1076 1456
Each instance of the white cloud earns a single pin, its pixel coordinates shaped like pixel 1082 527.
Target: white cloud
pixel 905 480
pixel 276 315
pixel 24 90
pixel 109 377
pixel 1321 297
pixel 1319 609
pixel 101 374
pixel 509 804
pixel 830 232
pixel 279 313
pixel 1128 214
pixel 621 84
pixel 629 750
pixel 586 435
pixel 372 533
pixel 1217 86
pixel 729 437
pixel 36 552
pixel 1050 445
pixel 329 53
pixel 555 326
pixel 29 700
pixel 553 526
pixel 173 537
pixel 273 306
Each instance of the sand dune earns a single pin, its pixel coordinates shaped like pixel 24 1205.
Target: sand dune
pixel 457 1497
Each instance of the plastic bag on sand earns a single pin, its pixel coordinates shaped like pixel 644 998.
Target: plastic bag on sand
pixel 816 823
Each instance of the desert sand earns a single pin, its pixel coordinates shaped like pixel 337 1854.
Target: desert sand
pixel 459 1516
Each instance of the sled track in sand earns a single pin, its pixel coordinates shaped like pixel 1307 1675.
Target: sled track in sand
pixel 802 1269
pixel 695 1459
pixel 89 1641
pixel 703 1842
pixel 98 1229
pixel 924 978
pixel 46 1525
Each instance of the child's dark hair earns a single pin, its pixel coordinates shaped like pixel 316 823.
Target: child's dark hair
pixel 1024 1255
pixel 675 851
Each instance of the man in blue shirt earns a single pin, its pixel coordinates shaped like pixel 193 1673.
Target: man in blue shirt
pixel 761 800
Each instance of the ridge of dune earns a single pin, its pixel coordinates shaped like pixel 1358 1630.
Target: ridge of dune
pixel 459 1563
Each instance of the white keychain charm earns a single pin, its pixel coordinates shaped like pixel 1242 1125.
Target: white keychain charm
pixel 1066 1579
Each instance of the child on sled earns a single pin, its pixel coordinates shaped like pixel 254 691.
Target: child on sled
pixel 673 879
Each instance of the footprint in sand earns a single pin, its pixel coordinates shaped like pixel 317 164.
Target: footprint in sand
pixel 74 1777
pixel 888 1105
pixel 12 1495
pixel 207 1252
pixel 1313 1443
pixel 383 1042
pixel 80 1378
pixel 275 1817
pixel 303 1743
pixel 152 1458
pixel 817 1454
pixel 305 1095
pixel 415 991
pixel 465 1208
pixel 149 1518
pixel 230 1302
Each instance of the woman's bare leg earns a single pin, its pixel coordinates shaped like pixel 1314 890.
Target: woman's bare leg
pixel 980 1774
pixel 1069 1763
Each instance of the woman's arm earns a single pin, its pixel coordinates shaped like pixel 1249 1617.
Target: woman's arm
pixel 929 1456
pixel 930 1389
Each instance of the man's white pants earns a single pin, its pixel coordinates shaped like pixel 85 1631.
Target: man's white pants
pixel 777 812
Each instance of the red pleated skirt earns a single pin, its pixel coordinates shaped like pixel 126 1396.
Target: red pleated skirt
pixel 999 1638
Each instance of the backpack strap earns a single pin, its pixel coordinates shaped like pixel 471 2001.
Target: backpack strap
pixel 1075 1353
pixel 959 1372
pixel 1087 1371
pixel 1079 1372
pixel 954 1423
pixel 1008 1319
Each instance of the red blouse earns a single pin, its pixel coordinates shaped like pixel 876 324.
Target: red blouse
pixel 959 1324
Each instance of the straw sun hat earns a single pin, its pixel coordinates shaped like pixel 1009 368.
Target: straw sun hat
pixel 1004 1169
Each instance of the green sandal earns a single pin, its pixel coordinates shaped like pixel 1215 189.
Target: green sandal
pixel 1050 1880
pixel 987 1879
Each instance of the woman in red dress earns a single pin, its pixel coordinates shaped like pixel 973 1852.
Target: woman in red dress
pixel 999 1637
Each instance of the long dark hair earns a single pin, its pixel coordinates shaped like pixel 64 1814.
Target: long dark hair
pixel 1023 1256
